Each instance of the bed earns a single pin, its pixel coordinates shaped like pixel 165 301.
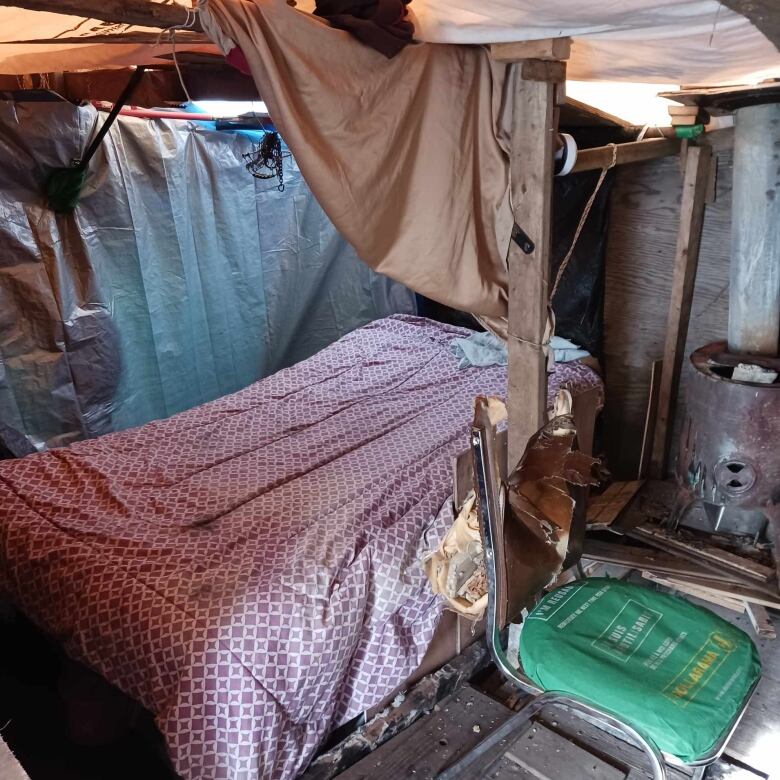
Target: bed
pixel 249 570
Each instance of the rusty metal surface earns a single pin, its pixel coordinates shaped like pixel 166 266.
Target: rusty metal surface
pixel 730 443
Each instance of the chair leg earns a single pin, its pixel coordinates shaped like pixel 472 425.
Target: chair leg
pixel 513 726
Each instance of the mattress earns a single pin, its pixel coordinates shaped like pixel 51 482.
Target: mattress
pixel 248 570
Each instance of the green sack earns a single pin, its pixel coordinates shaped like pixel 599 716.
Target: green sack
pixel 676 672
pixel 63 189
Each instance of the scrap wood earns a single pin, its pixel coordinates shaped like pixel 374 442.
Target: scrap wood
pixel 605 508
pixel 658 537
pixel 760 620
pixel 704 594
pixel 654 502
pixel 651 559
pixel 765 595
pixel 646 453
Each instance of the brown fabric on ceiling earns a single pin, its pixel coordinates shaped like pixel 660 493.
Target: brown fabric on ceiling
pixel 402 154
pixel 381 24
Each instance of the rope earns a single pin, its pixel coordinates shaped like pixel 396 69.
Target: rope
pixel 583 218
pixel 549 330
pixel 188 24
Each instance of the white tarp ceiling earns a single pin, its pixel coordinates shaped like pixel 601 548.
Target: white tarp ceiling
pixel 675 41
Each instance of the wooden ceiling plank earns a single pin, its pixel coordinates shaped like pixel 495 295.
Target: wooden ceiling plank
pixel 135 12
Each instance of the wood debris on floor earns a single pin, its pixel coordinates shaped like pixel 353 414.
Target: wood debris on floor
pixel 718 569
pixel 604 509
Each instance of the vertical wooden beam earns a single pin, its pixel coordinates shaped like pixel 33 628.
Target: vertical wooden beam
pixel 531 172
pixel 686 259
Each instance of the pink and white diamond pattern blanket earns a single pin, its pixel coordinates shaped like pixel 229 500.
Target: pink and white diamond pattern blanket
pixel 248 569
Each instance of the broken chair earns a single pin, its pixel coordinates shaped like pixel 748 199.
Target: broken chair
pixel 671 677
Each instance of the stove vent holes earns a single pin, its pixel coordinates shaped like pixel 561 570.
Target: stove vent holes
pixel 734 476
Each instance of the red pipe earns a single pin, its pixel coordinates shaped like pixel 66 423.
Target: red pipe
pixel 151 113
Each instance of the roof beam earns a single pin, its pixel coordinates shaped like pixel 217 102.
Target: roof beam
pixel 632 152
pixel 136 12
pixel 544 49
pixel 183 37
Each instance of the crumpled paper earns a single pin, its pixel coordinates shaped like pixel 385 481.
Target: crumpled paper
pixel 456 569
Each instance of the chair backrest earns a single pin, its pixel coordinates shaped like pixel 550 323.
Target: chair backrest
pixel 533 526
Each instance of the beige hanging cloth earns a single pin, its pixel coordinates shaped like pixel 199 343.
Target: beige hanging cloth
pixel 404 154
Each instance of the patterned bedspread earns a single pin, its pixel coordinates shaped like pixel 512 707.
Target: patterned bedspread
pixel 248 569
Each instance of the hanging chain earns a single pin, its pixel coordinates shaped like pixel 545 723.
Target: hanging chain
pixel 265 161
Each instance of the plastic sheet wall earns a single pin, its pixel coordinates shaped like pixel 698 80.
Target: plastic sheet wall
pixel 179 278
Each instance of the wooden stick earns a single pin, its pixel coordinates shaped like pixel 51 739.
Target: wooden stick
pixel 760 620
pixel 700 593
pixel 694 195
pixel 650 418
pixel 652 534
pixel 756 595
pixel 531 165
pixel 183 37
pixel 135 12
pixel 635 151
pixel 647 559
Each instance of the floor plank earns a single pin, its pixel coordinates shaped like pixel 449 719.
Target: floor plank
pixel 458 724
pixel 547 755
pixel 597 742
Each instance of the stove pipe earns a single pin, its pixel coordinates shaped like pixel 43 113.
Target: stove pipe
pixel 754 295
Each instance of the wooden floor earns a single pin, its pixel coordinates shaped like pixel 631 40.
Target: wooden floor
pixel 561 746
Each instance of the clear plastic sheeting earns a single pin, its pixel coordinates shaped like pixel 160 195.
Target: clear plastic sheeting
pixel 178 279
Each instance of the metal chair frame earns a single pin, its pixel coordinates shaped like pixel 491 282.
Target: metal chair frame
pixel 488 506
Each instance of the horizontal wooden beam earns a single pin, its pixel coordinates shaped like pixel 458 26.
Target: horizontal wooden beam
pixel 183 38
pixel 158 85
pixel 136 12
pixel 544 49
pixel 635 151
pixel 553 71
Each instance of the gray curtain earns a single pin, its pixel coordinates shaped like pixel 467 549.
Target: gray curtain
pixel 179 278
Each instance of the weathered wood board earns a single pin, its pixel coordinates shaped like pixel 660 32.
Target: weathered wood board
pixel 546 755
pixel 645 210
pixel 458 724
pixel 604 509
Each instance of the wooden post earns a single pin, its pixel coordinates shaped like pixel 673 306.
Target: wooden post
pixel 531 172
pixel 686 259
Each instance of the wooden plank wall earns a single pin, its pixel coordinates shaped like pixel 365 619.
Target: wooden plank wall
pixel 643 224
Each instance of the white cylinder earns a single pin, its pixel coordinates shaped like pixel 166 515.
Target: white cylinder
pixel 754 295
